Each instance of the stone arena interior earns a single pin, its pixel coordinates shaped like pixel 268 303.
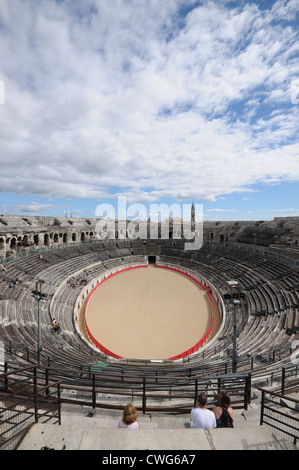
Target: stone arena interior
pixel 249 270
pixel 154 313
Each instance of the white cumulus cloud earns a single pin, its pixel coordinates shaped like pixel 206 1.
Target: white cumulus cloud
pixel 152 99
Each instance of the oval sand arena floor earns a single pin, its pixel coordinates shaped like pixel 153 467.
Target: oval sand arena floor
pixel 148 313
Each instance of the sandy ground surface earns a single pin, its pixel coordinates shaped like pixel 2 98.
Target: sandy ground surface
pixel 148 313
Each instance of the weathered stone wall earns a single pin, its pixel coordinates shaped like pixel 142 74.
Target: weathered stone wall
pixel 21 233
pixel 280 230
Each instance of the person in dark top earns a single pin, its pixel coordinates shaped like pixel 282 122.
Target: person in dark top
pixel 224 413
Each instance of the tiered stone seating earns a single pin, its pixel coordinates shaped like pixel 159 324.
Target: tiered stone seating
pixel 97 430
pixel 264 297
pixel 268 321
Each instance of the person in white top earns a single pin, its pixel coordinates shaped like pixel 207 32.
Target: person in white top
pixel 201 417
pixel 129 418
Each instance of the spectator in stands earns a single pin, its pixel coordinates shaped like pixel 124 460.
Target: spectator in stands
pixel 224 413
pixel 201 417
pixel 56 326
pixel 129 418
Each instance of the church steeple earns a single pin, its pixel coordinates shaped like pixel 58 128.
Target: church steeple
pixel 192 216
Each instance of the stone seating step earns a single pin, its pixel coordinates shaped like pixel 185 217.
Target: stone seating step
pixel 86 429
pixel 75 437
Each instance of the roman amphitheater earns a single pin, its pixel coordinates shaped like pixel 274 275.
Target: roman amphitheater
pixel 145 321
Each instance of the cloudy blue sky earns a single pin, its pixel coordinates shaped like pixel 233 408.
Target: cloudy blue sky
pixel 155 100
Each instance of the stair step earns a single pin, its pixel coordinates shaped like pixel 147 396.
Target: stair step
pixel 78 438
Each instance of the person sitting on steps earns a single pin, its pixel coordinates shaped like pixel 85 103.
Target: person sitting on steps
pixel 201 417
pixel 223 412
pixel 129 418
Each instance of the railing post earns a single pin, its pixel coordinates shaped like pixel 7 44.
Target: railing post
pixel 35 394
pixel 143 397
pixel 6 377
pixel 262 407
pixel 218 386
pixel 59 403
pixel 283 375
pixel 248 389
pixel 93 391
pixel 247 392
pixel 47 381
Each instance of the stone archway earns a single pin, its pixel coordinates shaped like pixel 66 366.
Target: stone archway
pixel 25 241
pixel 13 243
pixel 2 246
pixel 46 239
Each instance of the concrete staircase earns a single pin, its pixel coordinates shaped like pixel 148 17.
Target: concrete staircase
pixel 86 429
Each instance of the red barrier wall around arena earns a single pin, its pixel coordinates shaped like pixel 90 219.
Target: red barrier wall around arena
pixel 93 339
pixel 180 356
pixel 205 337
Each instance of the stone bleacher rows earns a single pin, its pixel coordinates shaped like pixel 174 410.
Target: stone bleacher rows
pixel 267 327
pixel 267 324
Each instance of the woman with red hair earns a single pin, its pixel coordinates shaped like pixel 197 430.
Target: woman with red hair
pixel 129 418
